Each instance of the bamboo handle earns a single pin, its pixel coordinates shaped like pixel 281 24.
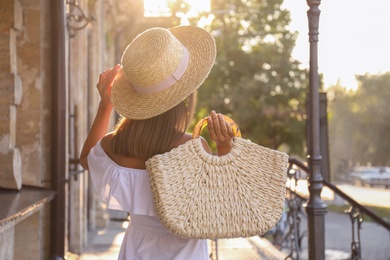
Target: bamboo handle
pixel 203 123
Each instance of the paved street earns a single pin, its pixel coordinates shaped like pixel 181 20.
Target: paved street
pixel 375 240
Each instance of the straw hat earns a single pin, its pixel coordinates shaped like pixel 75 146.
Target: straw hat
pixel 160 68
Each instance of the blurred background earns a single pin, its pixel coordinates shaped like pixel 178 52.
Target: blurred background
pixel 52 53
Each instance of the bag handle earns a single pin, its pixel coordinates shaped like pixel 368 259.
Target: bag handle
pixel 203 123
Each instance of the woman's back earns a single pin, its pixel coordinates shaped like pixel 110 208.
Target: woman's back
pixel 128 189
pixel 121 160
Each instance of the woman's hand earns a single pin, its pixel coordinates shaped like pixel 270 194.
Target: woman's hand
pixel 100 123
pixel 104 85
pixel 220 132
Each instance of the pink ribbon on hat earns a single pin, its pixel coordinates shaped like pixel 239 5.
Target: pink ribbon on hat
pixel 170 80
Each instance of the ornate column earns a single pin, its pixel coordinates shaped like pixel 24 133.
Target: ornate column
pixel 315 208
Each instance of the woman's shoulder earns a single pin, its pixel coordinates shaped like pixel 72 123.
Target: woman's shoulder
pixel 106 140
pixel 124 161
pixel 187 137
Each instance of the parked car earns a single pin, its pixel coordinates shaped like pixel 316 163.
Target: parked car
pixel 372 176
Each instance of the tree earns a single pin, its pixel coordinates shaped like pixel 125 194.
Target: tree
pixel 359 124
pixel 255 80
pixel 373 111
pixel 342 126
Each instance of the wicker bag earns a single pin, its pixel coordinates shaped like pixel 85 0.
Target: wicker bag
pixel 203 196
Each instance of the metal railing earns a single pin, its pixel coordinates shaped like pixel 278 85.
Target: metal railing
pixel 287 234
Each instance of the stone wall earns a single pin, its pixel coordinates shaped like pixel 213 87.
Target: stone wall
pixel 25 92
pixel 26 118
pixel 31 236
pixel 11 24
pixel 33 115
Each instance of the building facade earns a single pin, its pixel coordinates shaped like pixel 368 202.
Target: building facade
pixel 52 53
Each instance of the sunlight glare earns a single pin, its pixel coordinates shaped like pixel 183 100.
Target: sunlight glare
pixel 160 7
pixel 350 42
pixel 156 8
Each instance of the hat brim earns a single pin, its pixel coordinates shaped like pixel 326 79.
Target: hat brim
pixel 133 105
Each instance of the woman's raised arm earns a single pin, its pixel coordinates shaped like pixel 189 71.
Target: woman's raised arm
pixel 100 124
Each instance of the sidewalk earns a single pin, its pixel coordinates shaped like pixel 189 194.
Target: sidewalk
pixel 367 196
pixel 105 245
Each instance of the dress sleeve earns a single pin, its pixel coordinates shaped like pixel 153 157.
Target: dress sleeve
pixel 121 188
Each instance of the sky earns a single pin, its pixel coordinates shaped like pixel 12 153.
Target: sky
pixel 354 38
pixel 156 7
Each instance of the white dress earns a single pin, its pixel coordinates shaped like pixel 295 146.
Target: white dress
pixel 128 189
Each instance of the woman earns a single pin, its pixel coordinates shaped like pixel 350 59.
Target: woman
pixel 154 90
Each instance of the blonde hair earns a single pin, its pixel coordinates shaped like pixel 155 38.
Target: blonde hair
pixel 145 138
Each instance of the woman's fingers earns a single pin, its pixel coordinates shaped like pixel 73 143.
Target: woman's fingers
pixel 107 73
pixel 211 127
pixel 222 125
pixel 229 129
pixel 106 79
pixel 111 74
pixel 220 132
pixel 219 129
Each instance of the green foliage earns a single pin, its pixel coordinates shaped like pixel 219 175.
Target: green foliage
pixel 373 111
pixel 359 123
pixel 255 81
pixel 381 212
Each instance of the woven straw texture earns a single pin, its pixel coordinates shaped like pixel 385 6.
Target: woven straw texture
pixel 198 195
pixel 150 58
